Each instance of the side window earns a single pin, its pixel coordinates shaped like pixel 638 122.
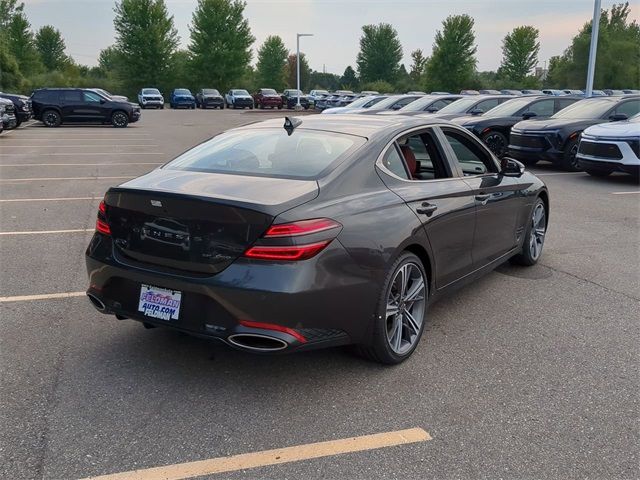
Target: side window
pixel 564 102
pixel 394 163
pixel 488 104
pixel 543 108
pixel 439 104
pixel 629 108
pixel 71 96
pixel 403 102
pixel 472 158
pixel 422 156
pixel 91 97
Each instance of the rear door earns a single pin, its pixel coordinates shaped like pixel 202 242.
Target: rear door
pixel 72 105
pixel 417 172
pixel 498 199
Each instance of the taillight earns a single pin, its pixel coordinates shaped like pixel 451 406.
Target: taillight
pixel 102 225
pixel 295 241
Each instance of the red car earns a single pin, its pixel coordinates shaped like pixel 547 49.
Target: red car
pixel 267 97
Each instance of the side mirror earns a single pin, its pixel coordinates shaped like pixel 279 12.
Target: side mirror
pixel 432 109
pixel 396 107
pixel 102 101
pixel 618 117
pixel 510 167
pixel 528 115
pixel 476 111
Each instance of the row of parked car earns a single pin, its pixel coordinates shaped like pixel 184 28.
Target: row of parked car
pixel 531 128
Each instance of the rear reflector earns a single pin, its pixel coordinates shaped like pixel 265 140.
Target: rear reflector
pixel 299 252
pixel 304 227
pixel 275 328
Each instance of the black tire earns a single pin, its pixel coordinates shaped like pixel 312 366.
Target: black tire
pixel 51 118
pixel 527 257
pixel 598 172
pixel 119 119
pixel 251 107
pixel 497 142
pixel 222 107
pixel 279 107
pixel 569 160
pixel 162 107
pixel 380 349
pixel 18 122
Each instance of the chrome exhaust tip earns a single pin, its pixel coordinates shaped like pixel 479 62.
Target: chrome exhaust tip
pixel 96 302
pixel 256 342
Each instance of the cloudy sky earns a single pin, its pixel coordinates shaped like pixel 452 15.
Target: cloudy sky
pixel 87 25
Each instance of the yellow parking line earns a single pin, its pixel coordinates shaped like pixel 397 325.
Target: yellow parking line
pixel 43 232
pixel 45 296
pixel 272 457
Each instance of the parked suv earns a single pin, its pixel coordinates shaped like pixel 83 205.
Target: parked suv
pixel 209 97
pixel 21 104
pixel 55 106
pixel 150 97
pixel 7 115
pixel 182 97
pixel 237 98
pixel 290 98
pixel 267 97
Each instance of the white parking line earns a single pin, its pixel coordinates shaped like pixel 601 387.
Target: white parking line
pixel 64 145
pixel 63 199
pixel 46 179
pixel 626 193
pixel 83 154
pixel 46 296
pixel 77 164
pixel 47 232
pixel 558 173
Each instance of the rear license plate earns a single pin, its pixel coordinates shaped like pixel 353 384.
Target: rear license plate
pixel 159 303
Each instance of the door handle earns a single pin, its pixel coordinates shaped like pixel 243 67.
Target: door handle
pixel 427 209
pixel 483 197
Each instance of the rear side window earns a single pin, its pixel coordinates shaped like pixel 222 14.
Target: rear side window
pixel 628 108
pixel 46 96
pixel 544 108
pixel 270 153
pixel 394 163
pixel 71 96
pixel 487 105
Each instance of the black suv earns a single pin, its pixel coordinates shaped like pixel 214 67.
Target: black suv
pixel 22 106
pixel 54 106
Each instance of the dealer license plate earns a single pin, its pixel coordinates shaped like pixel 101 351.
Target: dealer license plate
pixel 159 303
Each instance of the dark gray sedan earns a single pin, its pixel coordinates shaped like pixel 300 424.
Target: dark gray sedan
pixel 327 230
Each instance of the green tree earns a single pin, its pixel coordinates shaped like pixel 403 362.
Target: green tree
pixel 520 50
pixel 617 58
pixel 452 64
pixel 380 53
pixel 11 80
pixel 379 86
pixel 20 43
pixel 418 65
pixel 220 43
pixel 291 71
pixel 327 81
pixel 349 80
pixel 272 57
pixel 146 41
pixel 51 47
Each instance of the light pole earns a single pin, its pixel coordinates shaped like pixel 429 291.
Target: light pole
pixel 298 35
pixel 595 26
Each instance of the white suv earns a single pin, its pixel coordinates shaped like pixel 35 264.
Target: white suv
pixel 150 97
pixel 611 147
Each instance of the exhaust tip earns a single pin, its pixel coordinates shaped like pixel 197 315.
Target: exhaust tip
pixel 96 302
pixel 257 343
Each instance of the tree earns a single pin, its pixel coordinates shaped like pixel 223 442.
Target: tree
pixel 220 43
pixel 146 41
pixel 327 81
pixel 418 65
pixel 272 57
pixel 51 47
pixel 291 71
pixel 519 53
pixel 380 53
pixel 617 58
pixel 349 79
pixel 11 80
pixel 379 86
pixel 452 64
pixel 20 43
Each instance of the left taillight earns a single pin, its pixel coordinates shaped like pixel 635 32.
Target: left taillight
pixel 102 225
pixel 295 241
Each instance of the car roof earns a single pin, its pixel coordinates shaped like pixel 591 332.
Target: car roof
pixel 351 124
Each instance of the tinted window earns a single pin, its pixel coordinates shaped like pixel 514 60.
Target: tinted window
pixel 208 91
pixel 240 92
pixel 91 97
pixel 428 161
pixel 46 96
pixel 543 108
pixel 71 96
pixel 394 163
pixel 472 159
pixel 268 91
pixel 565 102
pixel 588 108
pixel 269 152
pixel 487 105
pixel 150 91
pixel 629 108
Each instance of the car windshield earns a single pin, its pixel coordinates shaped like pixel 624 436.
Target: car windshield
pixel 362 102
pixel 459 106
pixel 295 92
pixel 210 91
pixel 269 152
pixel 104 93
pixel 588 108
pixel 508 108
pixel 151 91
pixel 240 92
pixel 268 91
pixel 419 104
pixel 321 92
pixel 181 91
pixel 386 103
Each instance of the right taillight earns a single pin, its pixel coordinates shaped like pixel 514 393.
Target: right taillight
pixel 102 225
pixel 293 241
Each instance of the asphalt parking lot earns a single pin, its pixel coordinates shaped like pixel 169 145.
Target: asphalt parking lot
pixel 528 373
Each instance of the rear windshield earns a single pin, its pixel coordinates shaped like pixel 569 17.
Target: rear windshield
pixel 270 152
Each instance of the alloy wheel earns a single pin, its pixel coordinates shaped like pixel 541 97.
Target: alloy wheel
pixel 119 120
pixel 405 308
pixel 538 231
pixel 496 144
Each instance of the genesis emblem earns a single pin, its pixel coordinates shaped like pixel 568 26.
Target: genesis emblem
pixel 156 203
